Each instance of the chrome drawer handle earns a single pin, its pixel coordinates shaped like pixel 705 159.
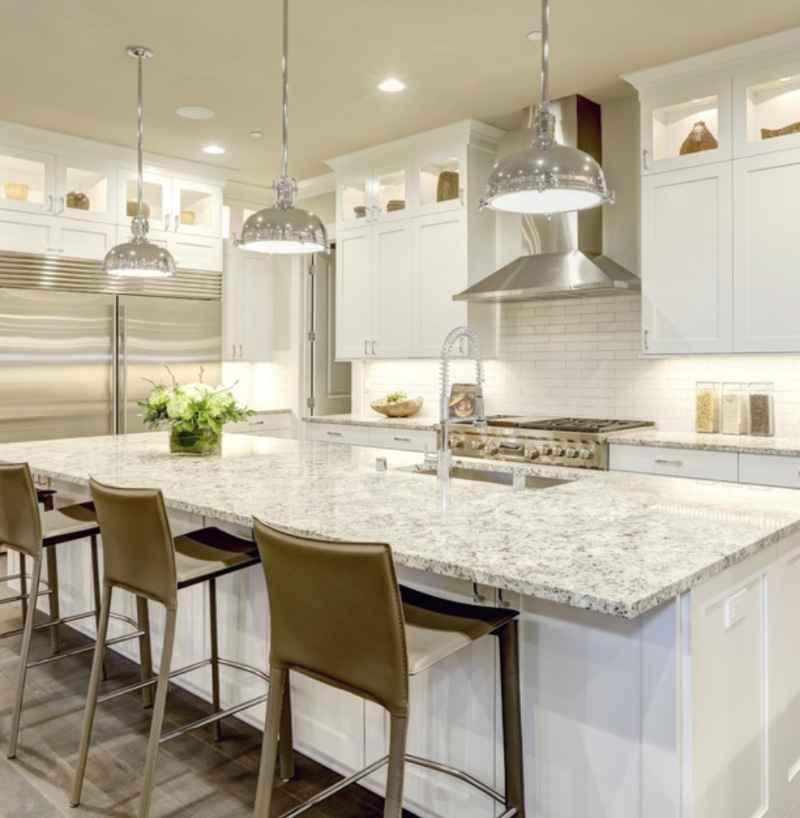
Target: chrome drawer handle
pixel 668 462
pixel 333 434
pixel 402 439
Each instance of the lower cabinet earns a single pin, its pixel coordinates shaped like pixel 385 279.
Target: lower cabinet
pixel 769 470
pixel 697 463
pixel 414 440
pixel 264 424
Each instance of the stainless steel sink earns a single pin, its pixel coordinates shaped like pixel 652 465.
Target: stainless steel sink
pixel 504 478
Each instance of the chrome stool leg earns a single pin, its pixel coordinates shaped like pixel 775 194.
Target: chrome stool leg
pixel 55 607
pixel 212 609
pixel 145 649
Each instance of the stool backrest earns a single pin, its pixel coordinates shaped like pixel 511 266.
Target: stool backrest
pixel 138 550
pixel 20 523
pixel 336 615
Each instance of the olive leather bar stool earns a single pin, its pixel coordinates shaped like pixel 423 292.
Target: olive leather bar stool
pixel 338 616
pixel 33 534
pixel 141 556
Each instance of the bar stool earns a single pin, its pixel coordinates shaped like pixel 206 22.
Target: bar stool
pixel 141 556
pixel 338 616
pixel 31 533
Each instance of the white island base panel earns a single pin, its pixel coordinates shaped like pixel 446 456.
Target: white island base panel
pixel 691 710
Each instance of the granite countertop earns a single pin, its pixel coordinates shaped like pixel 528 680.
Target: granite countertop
pixel 610 542
pixel 417 421
pixel 781 446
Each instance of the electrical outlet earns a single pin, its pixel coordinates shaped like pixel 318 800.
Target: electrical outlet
pixel 735 608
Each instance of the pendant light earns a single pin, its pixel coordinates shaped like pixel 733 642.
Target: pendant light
pixel 546 177
pixel 139 258
pixel 284 228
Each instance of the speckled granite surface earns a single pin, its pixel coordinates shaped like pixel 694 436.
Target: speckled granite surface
pixel 781 446
pixel 611 542
pixel 375 419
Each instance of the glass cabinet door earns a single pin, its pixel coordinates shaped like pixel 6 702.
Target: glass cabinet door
pixel 439 182
pixel 155 199
pixel 86 190
pixel 389 192
pixel 767 110
pixel 196 208
pixel 686 128
pixel 27 180
pixel 352 204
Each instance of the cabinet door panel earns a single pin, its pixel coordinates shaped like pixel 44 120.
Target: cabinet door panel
pixel 85 239
pixel 686 261
pixel 354 293
pixel 441 261
pixel 767 253
pixel 26 233
pixel 394 290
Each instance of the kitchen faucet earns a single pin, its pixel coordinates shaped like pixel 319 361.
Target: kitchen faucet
pixel 444 455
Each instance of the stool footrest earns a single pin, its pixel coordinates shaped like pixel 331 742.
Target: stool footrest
pixel 210 719
pixel 85 649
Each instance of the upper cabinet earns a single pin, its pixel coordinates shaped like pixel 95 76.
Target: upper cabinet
pixel 720 168
pixel 409 237
pixel 72 197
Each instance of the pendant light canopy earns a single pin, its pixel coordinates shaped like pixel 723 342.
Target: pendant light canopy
pixel 139 258
pixel 284 228
pixel 546 177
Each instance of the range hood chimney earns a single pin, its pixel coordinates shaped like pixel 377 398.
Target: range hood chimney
pixel 562 253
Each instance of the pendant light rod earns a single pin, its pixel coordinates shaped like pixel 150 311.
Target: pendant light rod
pixel 141 53
pixel 544 101
pixel 285 69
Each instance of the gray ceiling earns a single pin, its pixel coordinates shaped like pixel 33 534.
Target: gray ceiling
pixel 64 66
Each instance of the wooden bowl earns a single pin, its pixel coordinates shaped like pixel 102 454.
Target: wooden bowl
pixel 399 409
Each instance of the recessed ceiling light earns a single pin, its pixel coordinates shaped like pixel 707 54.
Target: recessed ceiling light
pixel 213 149
pixel 534 36
pixel 195 112
pixel 391 86
pixel 256 134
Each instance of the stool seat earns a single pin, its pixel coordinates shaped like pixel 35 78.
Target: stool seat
pixel 211 552
pixel 69 523
pixel 437 628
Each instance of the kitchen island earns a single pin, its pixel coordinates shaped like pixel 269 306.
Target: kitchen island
pixel 660 673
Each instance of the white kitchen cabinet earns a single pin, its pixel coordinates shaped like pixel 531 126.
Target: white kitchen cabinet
pixel 717 261
pixel 686 261
pixel 766 252
pixel 50 235
pixel 190 252
pixel 176 205
pixel 263 424
pixel 769 470
pixel 673 462
pixel 345 433
pixel 398 270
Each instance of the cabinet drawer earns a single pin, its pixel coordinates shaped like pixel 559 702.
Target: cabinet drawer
pixel 705 465
pixel 413 440
pixel 338 433
pixel 769 470
pixel 266 424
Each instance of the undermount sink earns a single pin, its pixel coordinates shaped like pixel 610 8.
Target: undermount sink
pixel 503 478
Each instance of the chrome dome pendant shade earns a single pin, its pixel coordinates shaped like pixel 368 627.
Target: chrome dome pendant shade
pixel 546 177
pixel 139 258
pixel 284 228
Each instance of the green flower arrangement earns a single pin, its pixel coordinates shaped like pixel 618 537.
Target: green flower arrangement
pixel 193 412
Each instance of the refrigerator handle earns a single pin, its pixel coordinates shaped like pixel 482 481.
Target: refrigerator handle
pixel 123 351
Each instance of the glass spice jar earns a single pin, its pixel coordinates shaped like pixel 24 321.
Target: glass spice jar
pixel 706 406
pixel 734 409
pixel 762 419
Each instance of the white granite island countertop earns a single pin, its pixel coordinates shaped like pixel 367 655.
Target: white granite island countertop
pixel 610 542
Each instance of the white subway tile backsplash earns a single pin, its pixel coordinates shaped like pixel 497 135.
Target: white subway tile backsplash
pixel 584 357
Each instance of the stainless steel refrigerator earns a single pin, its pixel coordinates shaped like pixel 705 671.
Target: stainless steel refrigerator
pixel 75 363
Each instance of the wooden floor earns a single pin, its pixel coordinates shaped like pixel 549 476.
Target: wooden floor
pixel 195 775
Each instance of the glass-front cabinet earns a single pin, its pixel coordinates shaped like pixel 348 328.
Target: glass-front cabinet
pixel 686 127
pixel 27 179
pixel 85 190
pixel 171 204
pixel 766 112
pixel 440 181
pixel 377 195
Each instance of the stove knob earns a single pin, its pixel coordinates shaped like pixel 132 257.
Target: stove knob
pixel 571 452
pixel 531 452
pixel 585 454
pixel 492 448
pixel 456 441
pixel 558 451
pixel 479 444
pixel 546 449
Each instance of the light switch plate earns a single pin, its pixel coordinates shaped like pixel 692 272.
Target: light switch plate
pixel 735 608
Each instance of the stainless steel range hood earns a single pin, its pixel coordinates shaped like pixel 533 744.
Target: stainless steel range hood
pixel 562 254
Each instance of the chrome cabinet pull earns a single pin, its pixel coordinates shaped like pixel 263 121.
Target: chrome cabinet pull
pixel 374 351
pixel 366 347
pixel 645 339
pixel 60 204
pixel 50 206
pixel 646 163
pixel 240 351
pixel 333 434
pixel 662 462
pixel 166 222
pixel 461 195
pixel 233 350
pixel 402 439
